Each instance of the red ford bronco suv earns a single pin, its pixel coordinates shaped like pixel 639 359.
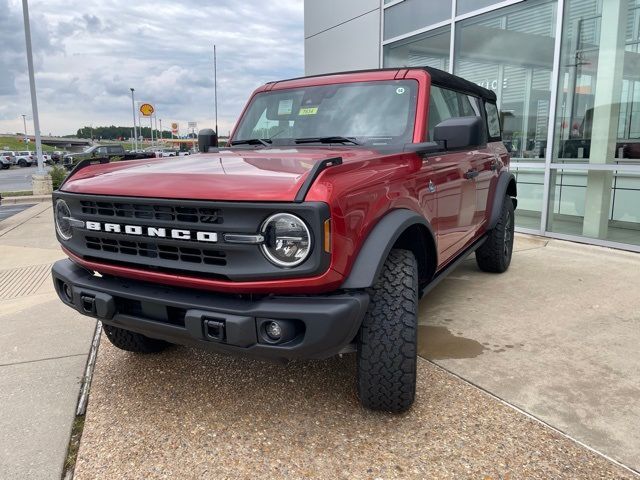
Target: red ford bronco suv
pixel 340 201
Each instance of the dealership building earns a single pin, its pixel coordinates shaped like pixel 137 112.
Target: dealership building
pixel 567 77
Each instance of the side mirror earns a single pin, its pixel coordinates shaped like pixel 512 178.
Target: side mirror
pixel 207 138
pixel 460 132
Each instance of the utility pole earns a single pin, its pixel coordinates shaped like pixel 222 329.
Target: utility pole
pixel 161 136
pixel 133 110
pixel 32 85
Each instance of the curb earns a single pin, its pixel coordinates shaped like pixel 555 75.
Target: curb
pixel 26 199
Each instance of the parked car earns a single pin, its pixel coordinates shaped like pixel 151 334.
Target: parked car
pixel 25 159
pixel 8 157
pixel 314 237
pixel 57 155
pixel 104 151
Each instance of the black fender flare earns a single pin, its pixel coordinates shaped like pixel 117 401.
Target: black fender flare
pixel 376 247
pixel 505 179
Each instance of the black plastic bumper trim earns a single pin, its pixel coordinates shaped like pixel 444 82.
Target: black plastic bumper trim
pixel 329 322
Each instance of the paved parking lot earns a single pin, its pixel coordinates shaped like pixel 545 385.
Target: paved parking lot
pixel 7 211
pixel 17 179
pixel 556 336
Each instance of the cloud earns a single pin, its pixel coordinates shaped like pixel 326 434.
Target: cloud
pixel 89 53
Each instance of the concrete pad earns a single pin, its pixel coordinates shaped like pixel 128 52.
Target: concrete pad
pixel 42 327
pixel 38 406
pixel 188 414
pixel 556 335
pixel 19 256
pixel 36 232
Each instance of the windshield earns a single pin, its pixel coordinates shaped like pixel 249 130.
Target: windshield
pixel 374 113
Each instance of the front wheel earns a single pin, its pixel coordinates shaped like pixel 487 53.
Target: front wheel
pixel 494 255
pixel 22 163
pixel 387 339
pixel 133 342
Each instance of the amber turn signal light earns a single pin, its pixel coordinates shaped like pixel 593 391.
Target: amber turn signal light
pixel 327 235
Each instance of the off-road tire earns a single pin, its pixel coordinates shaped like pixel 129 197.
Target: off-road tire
pixel 22 163
pixel 386 359
pixel 133 342
pixel 494 255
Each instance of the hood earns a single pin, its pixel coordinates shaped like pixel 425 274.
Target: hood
pixel 270 174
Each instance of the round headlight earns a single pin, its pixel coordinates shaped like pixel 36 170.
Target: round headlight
pixel 287 241
pixel 62 214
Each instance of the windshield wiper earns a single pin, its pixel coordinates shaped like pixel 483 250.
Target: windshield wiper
pixel 334 139
pixel 253 141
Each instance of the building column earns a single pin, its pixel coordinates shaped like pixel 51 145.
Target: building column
pixel 606 111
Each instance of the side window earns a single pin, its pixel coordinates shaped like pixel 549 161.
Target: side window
pixel 493 120
pixel 445 104
pixel 101 151
pixel 114 150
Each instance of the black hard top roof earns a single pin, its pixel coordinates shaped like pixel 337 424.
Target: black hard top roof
pixel 438 77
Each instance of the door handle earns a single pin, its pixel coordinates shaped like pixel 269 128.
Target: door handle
pixel 473 173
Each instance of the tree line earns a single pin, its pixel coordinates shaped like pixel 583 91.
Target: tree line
pixel 116 133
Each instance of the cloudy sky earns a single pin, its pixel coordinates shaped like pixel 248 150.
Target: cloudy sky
pixel 89 53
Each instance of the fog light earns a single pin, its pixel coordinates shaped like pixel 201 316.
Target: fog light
pixel 66 290
pixel 274 331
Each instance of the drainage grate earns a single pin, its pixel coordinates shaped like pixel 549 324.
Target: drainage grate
pixel 23 281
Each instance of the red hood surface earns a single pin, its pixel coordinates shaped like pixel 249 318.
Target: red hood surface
pixel 272 174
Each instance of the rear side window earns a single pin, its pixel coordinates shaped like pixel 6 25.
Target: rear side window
pixel 445 104
pixel 493 121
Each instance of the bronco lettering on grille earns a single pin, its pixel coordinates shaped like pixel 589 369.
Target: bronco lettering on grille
pixel 177 234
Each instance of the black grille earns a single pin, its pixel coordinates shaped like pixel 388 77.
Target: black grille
pixel 144 211
pixel 157 250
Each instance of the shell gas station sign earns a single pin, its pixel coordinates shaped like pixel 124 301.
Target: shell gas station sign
pixel 146 109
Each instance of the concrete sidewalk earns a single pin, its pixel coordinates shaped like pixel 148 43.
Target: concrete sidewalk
pixel 43 351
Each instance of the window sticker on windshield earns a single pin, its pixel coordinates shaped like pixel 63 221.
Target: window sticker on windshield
pixel 400 90
pixel 308 111
pixel 285 107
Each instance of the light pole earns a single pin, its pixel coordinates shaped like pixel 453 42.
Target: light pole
pixel 161 136
pixel 24 121
pixel 32 85
pixel 133 110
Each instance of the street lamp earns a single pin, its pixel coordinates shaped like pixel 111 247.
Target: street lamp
pixel 32 87
pixel 24 121
pixel 133 110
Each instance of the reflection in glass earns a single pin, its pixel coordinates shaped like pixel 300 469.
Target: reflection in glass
pixel 429 49
pixel 411 15
pixel 597 120
pixel 569 210
pixel 520 74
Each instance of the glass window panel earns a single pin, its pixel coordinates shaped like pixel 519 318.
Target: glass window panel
pixel 412 15
pixel 597 122
pixel 573 196
pixel 520 75
pixel 430 49
pixel 466 6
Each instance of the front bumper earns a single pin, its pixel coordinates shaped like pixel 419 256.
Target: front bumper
pixel 324 324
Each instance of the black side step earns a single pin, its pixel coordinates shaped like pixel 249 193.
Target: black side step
pixel 452 266
pixel 313 174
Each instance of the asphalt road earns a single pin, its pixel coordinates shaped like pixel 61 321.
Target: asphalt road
pixel 17 179
pixel 9 210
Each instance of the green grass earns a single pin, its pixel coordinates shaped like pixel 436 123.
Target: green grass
pixel 15 143
pixel 74 443
pixel 23 193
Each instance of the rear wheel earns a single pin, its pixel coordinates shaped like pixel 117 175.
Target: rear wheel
pixel 22 162
pixel 133 342
pixel 387 338
pixel 495 253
